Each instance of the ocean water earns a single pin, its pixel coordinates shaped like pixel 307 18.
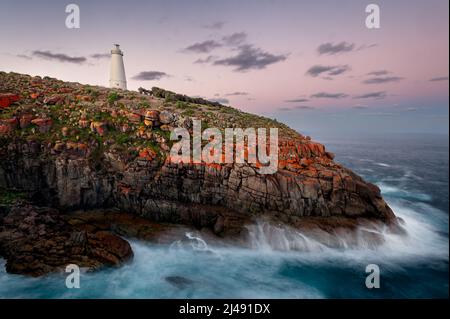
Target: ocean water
pixel 412 172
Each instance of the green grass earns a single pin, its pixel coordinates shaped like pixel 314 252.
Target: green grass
pixel 165 134
pixel 112 97
pixel 144 104
pixel 102 117
pixel 122 138
pixel 6 113
pixel 10 197
pixel 182 105
pixel 189 112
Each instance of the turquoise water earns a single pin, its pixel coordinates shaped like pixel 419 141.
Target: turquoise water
pixel 413 176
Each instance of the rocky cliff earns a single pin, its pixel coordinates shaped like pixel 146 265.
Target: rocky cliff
pixel 73 146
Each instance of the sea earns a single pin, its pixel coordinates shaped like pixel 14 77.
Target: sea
pixel 412 171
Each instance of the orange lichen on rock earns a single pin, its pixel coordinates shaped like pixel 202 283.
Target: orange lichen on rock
pixel 147 154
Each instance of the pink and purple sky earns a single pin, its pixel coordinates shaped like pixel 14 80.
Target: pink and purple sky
pixel 312 64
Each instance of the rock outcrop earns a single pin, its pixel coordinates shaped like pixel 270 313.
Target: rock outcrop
pixel 72 146
pixel 189 193
pixel 96 165
pixel 36 241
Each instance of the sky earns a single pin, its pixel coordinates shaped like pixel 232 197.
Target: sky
pixel 311 64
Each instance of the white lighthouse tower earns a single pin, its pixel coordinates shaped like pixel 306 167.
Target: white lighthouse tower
pixel 117 77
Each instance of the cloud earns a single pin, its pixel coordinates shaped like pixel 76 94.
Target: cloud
pixel 296 101
pixel 361 107
pixel 303 107
pixel 367 46
pixel 379 72
pixel 237 94
pixel 372 95
pixel 442 78
pixel 220 100
pixel 249 57
pixel 331 49
pixel 381 80
pixel 235 38
pixel 325 95
pixel 60 57
pixel 100 56
pixel 378 114
pixel 208 59
pixel 203 47
pixel 298 107
pixel 215 25
pixel 23 56
pixel 150 76
pixel 317 70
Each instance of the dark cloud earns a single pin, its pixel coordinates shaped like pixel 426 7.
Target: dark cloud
pixel 150 76
pixel 379 72
pixel 331 49
pixel 303 107
pixel 101 56
pixel 317 70
pixel 48 55
pixel 206 60
pixel 372 95
pixel 237 94
pixel 235 38
pixel 325 95
pixel 442 78
pixel 249 58
pixel 296 101
pixel 203 47
pixel 215 25
pixel 381 80
pixel 220 100
pixel 284 109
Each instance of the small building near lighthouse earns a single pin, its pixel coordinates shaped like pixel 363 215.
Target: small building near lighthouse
pixel 117 77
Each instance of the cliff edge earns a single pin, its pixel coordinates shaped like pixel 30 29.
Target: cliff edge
pixel 72 146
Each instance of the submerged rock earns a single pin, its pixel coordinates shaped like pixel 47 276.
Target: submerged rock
pixel 179 281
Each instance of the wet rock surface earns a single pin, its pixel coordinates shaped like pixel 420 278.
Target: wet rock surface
pixel 36 241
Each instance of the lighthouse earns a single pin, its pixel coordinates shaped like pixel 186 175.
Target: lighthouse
pixel 117 77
